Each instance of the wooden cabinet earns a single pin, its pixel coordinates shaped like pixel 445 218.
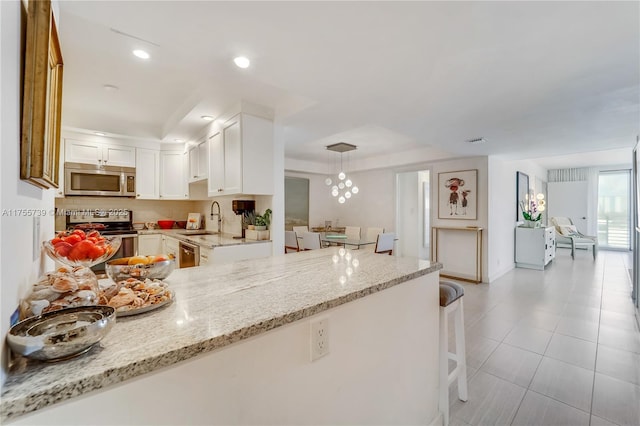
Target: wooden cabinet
pixel 199 161
pixel 149 245
pixel 147 174
pixel 173 183
pixel 90 152
pixel 535 247
pixel 241 157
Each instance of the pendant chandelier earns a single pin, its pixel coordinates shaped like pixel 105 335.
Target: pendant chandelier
pixel 341 186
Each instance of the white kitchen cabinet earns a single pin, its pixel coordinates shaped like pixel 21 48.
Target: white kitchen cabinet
pixel 104 154
pixel 206 256
pixel 535 247
pixel 227 254
pixel 150 244
pixel 241 157
pixel 171 247
pixel 147 174
pixel 199 161
pixel 173 182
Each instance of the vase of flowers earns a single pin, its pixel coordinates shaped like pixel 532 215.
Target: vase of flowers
pixel 531 213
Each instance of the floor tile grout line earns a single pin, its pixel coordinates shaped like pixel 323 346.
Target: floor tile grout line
pixel 595 361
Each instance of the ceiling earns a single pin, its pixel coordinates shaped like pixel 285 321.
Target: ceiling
pixel 537 80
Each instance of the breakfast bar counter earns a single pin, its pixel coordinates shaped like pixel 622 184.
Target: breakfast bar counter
pixel 234 347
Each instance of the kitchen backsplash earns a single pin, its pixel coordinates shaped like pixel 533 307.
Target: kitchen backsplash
pixel 154 210
pixel 143 210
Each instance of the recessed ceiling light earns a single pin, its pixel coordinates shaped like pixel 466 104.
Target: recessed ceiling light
pixel 99 134
pixel 242 62
pixel 206 117
pixel 141 54
pixel 110 88
pixel 179 140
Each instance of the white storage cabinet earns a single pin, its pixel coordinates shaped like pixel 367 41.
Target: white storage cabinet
pixel 100 153
pixel 199 161
pixel 171 246
pixel 147 174
pixel 173 182
pixel 241 157
pixel 535 247
pixel 150 245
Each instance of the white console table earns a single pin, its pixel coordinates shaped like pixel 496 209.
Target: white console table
pixel 535 247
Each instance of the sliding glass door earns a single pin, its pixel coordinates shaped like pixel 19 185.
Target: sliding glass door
pixel 614 215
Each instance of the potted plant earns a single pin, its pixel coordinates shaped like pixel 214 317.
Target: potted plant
pixel 263 222
pixel 249 219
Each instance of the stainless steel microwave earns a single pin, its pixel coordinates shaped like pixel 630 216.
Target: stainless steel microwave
pixel 106 181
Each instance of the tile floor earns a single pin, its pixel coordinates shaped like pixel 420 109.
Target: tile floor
pixel 553 347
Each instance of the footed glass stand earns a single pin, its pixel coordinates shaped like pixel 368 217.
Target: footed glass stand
pixel 72 285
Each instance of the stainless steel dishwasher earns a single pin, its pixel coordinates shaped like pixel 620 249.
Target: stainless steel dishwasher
pixel 189 255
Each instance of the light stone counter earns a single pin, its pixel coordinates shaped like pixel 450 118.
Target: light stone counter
pixel 209 240
pixel 214 307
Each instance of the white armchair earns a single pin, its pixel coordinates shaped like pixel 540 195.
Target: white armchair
pixel 567 235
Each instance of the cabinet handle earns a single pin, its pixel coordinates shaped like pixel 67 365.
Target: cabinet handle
pixel 137 195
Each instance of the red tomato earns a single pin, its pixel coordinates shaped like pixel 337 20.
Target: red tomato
pixel 62 249
pixel 93 234
pixel 81 250
pixel 55 241
pixel 96 251
pixel 72 239
pixel 92 239
pixel 79 232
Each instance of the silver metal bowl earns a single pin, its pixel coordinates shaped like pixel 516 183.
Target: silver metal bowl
pixel 155 270
pixel 62 334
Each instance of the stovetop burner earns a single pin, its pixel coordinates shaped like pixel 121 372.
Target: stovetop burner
pixel 107 221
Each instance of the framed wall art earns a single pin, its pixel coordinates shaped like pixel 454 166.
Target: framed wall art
pixel 296 202
pixel 522 193
pixel 458 195
pixel 42 98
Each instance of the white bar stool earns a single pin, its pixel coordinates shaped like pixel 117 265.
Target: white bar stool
pixel 451 303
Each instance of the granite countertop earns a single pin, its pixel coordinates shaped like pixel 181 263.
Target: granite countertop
pixel 210 240
pixel 214 306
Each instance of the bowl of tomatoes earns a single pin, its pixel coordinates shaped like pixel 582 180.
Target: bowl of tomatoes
pixel 81 248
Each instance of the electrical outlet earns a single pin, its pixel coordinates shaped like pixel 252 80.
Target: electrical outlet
pixel 319 338
pixel 36 238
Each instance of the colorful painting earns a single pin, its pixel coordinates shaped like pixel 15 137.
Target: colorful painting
pixel 458 195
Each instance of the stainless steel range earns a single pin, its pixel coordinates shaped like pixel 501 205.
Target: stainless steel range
pixel 109 222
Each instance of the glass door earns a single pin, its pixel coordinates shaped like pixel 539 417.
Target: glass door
pixel 614 215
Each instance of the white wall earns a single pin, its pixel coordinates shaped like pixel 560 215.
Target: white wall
pixel 373 206
pixel 20 262
pixel 502 211
pixel 482 221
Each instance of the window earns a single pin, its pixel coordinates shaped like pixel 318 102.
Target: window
pixel 613 209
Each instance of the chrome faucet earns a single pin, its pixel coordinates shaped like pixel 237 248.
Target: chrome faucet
pixel 215 203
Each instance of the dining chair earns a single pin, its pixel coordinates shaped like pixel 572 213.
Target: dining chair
pixel 372 233
pixel 384 243
pixel 299 230
pixel 290 241
pixel 311 241
pixel 352 232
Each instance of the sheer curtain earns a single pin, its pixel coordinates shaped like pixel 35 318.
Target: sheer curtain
pixel 590 175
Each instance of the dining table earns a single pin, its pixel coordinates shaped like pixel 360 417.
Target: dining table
pixel 334 238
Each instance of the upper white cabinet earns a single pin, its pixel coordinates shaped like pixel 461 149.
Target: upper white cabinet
pixel 173 182
pixel 147 174
pixel 199 161
pixel 89 152
pixel 241 157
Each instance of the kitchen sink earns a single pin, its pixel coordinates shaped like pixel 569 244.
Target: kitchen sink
pixel 199 233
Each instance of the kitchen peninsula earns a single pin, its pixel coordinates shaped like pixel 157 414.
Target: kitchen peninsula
pixel 234 348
